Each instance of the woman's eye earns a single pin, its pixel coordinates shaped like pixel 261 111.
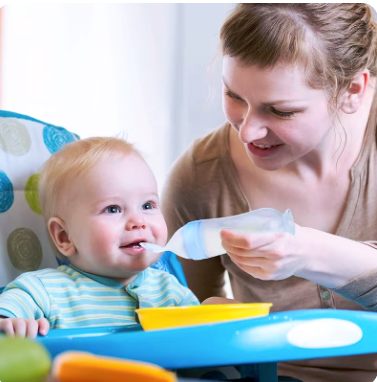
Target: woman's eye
pixel 112 210
pixel 280 113
pixel 233 96
pixel 147 206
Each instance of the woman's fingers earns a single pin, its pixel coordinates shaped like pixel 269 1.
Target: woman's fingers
pixel 263 256
pixel 268 266
pixel 272 253
pixel 266 256
pixel 247 241
pixel 261 262
pixel 257 272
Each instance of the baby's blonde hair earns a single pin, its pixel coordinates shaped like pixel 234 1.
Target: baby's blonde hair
pixel 72 161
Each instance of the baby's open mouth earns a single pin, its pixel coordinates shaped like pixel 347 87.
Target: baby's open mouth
pixel 131 245
pixel 132 249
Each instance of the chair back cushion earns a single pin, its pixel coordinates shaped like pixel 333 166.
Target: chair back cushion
pixel 25 144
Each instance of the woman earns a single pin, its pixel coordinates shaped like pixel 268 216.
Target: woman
pixel 299 99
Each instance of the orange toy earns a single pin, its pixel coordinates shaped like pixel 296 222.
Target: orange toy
pixel 74 366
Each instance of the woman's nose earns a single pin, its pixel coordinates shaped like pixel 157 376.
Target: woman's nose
pixel 253 127
pixel 135 221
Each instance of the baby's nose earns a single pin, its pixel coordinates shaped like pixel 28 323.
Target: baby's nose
pixel 135 222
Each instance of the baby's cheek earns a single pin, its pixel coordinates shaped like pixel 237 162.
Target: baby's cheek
pixel 164 235
pixel 161 233
pixel 103 240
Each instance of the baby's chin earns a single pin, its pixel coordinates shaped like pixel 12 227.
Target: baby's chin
pixel 139 265
pixel 129 269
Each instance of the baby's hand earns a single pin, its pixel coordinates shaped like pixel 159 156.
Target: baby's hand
pixel 22 327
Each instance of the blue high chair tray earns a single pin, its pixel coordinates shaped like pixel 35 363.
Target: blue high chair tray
pixel 283 336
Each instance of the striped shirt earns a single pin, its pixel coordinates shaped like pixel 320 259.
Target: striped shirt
pixel 71 298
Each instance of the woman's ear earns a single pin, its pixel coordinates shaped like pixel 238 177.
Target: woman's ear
pixel 59 235
pixel 354 95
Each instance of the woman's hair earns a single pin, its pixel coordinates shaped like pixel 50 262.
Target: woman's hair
pixel 333 42
pixel 74 160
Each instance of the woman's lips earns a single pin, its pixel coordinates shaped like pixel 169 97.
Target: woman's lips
pixel 263 153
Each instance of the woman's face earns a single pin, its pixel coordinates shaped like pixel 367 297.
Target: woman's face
pixel 278 117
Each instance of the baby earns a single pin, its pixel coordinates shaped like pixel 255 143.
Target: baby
pixel 99 199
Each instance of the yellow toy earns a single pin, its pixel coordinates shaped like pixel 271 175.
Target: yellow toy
pixel 178 316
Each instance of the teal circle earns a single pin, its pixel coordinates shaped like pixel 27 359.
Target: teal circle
pixel 6 193
pixel 56 137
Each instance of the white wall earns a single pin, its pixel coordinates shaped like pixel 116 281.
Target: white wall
pixel 106 69
pixel 199 62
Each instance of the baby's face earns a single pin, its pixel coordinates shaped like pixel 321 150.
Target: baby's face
pixel 108 212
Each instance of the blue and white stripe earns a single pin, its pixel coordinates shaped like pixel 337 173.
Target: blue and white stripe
pixel 71 298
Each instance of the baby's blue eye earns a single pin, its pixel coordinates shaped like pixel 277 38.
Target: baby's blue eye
pixel 147 206
pixel 112 210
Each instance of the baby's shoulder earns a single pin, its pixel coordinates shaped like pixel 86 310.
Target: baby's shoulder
pixel 33 280
pixel 62 273
pixel 40 273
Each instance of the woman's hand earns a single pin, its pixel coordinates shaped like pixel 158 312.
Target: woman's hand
pixel 22 327
pixel 325 259
pixel 266 256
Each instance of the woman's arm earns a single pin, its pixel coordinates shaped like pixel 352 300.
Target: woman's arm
pixel 362 289
pixel 334 261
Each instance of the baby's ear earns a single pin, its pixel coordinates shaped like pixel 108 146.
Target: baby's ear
pixel 56 228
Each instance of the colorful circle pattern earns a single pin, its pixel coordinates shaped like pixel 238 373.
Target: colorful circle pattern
pixel 24 249
pixel 6 193
pixel 14 137
pixel 56 137
pixel 23 245
pixel 31 193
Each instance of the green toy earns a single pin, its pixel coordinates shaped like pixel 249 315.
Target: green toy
pixel 23 360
